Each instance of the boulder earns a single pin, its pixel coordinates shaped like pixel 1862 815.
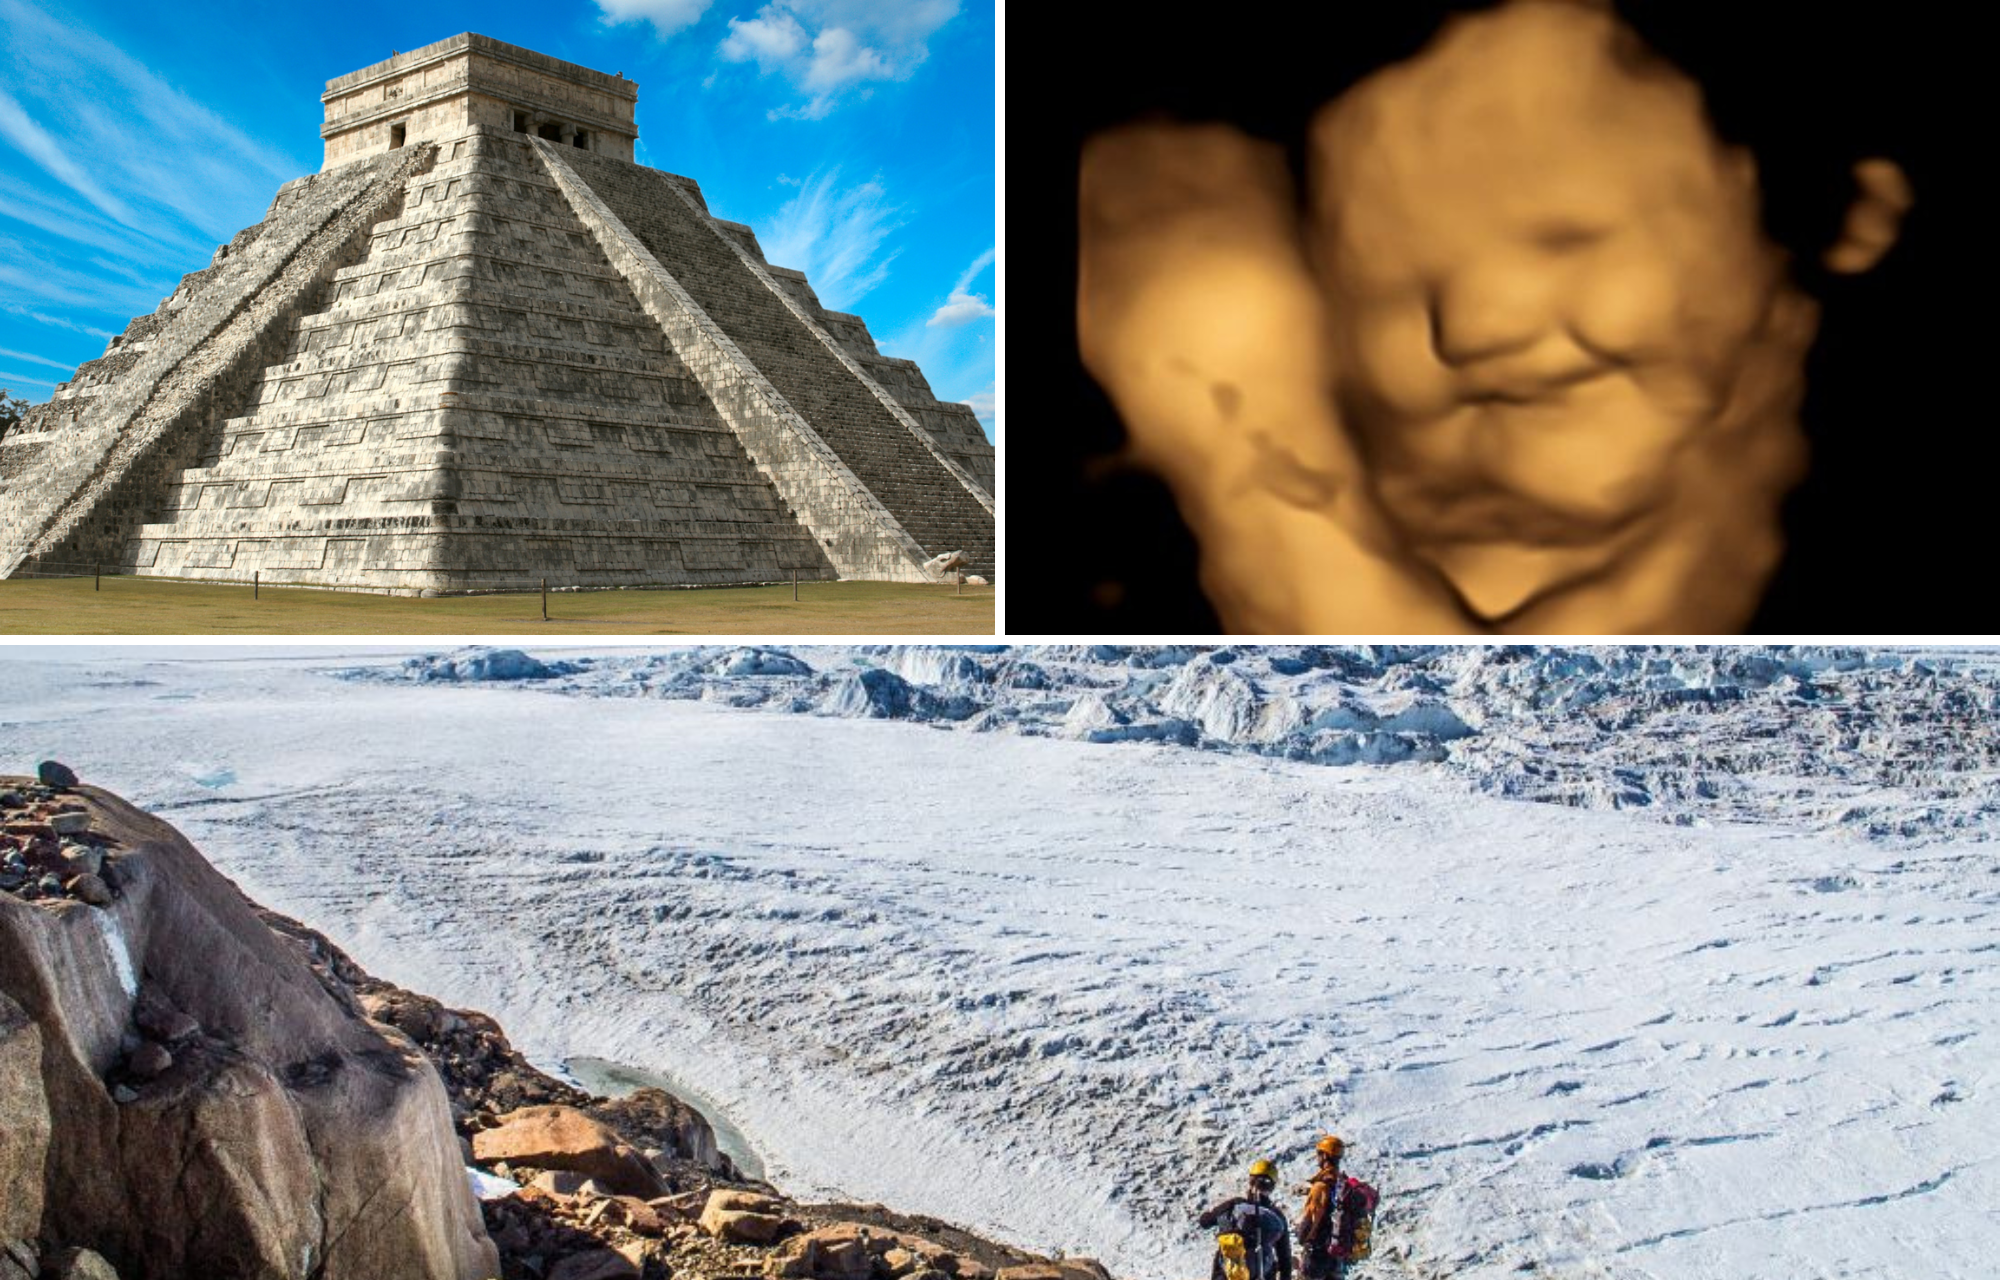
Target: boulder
pixel 294 1129
pixel 559 1182
pixel 974 580
pixel 557 1137
pixel 161 1020
pixel 838 1252
pixel 1058 1269
pixel 148 1060
pixel 657 1118
pixel 851 1251
pixel 70 824
pixel 77 1264
pixel 943 563
pixel 90 889
pixel 739 1227
pixel 644 1218
pixel 597 1264
pixel 742 1202
pixel 54 773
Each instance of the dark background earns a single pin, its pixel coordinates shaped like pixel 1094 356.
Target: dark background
pixel 1891 531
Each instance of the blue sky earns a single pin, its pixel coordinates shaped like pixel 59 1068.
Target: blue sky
pixel 856 136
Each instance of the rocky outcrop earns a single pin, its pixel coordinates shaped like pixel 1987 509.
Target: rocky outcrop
pixel 489 1081
pixel 182 1095
pixel 565 1138
pixel 193 1085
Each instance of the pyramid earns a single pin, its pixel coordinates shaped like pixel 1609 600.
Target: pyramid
pixel 483 348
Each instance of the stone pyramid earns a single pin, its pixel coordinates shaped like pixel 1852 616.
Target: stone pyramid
pixel 482 348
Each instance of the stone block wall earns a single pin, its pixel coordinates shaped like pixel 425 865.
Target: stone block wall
pixel 857 533
pixel 479 405
pixel 940 506
pixel 440 91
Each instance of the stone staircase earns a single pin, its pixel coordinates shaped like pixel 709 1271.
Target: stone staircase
pixel 480 404
pixel 107 440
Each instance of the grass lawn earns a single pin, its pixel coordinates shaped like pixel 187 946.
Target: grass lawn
pixel 153 606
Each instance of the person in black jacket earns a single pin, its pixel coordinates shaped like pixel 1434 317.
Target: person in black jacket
pixel 1267 1245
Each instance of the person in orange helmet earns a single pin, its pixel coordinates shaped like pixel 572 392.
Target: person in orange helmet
pixel 1339 1217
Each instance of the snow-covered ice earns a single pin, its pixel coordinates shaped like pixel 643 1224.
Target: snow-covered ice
pixel 1063 990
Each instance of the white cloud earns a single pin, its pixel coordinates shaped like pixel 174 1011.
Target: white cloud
pixel 34 142
pixel 10 380
pixel 667 16
pixel 59 322
pixel 979 264
pixel 96 150
pixel 22 355
pixel 835 236
pixel 962 308
pixel 769 38
pixel 25 277
pixel 827 46
pixel 839 58
pixel 981 404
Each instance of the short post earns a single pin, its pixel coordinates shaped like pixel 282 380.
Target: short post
pixel 256 576
pixel 959 590
pixel 545 599
pixel 97 577
pixel 795 582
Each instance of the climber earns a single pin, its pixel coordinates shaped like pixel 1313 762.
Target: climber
pixel 1266 1245
pixel 1338 1224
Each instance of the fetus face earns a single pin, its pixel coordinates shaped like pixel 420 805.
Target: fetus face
pixel 1548 288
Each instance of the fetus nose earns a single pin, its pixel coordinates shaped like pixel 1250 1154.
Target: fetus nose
pixel 1479 314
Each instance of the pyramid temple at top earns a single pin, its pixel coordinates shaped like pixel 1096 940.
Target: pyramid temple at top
pixel 482 348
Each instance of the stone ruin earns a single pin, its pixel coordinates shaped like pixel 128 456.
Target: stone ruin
pixel 483 348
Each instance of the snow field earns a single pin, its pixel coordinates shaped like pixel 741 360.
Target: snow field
pixel 1065 991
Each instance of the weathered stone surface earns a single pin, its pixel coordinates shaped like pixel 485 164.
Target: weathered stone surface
pixel 161 1020
pixel 24 1123
pixel 558 1137
pixel 77 1264
pixel 149 1060
pixel 294 1128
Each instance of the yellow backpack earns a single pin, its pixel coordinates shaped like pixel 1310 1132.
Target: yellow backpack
pixel 1235 1266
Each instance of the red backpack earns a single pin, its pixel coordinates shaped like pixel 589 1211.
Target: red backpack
pixel 1353 1234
